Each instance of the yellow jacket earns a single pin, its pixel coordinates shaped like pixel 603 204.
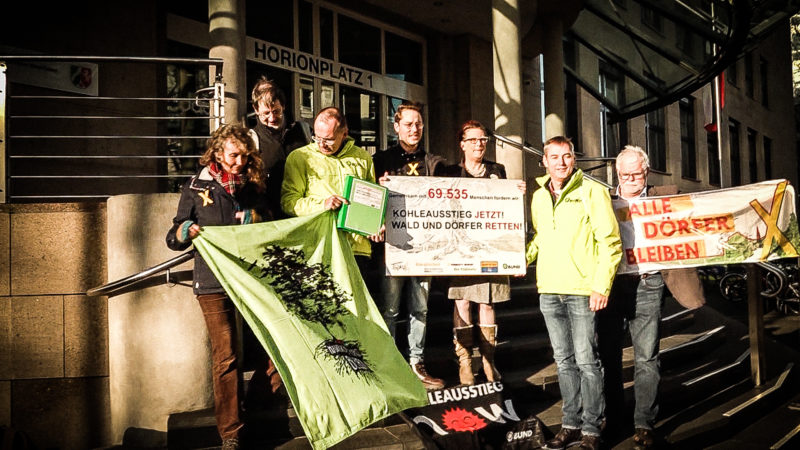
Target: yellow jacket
pixel 577 241
pixel 311 177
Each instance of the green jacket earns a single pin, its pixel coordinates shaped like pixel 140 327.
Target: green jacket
pixel 577 240
pixel 310 177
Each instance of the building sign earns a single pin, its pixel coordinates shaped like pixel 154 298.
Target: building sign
pixel 77 77
pixel 454 226
pixel 307 64
pixel 748 223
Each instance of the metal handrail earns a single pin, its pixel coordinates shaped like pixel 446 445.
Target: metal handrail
pixel 114 286
pixel 533 151
pixel 216 62
pixel 19 167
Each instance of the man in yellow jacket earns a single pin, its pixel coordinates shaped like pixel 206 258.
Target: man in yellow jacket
pixel 314 175
pixel 578 248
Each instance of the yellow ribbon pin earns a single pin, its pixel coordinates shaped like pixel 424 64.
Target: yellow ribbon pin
pixel 206 198
pixel 412 169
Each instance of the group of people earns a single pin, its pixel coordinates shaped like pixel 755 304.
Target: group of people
pixel 278 169
pixel 587 308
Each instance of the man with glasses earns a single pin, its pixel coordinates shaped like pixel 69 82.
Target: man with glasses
pixel 314 175
pixel 578 248
pixel 635 303
pixel 408 158
pixel 276 136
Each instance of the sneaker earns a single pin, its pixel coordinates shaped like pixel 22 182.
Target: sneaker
pixel 590 442
pixel 430 382
pixel 644 439
pixel 230 444
pixel 567 437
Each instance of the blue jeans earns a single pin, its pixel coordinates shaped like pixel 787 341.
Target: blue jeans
pixel 571 326
pixel 392 290
pixel 635 302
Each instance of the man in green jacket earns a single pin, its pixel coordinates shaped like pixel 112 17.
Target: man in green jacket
pixel 314 175
pixel 578 248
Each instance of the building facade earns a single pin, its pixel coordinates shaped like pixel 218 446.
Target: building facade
pixel 58 347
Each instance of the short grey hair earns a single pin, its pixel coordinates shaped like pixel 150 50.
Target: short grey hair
pixel 634 150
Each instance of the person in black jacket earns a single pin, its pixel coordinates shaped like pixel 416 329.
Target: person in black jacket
pixel 229 190
pixel 408 158
pixel 276 137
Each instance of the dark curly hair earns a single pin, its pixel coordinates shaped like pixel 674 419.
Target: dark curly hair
pixel 216 145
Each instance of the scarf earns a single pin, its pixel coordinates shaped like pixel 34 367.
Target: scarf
pixel 230 181
pixel 479 172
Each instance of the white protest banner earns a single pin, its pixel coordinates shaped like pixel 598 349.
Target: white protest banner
pixel 454 226
pixel 748 223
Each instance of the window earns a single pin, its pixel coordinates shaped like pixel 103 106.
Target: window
pixel 763 69
pixel 688 149
pixel 732 74
pixel 182 81
pixel 651 18
pixel 279 29
pixel 360 110
pixel 748 75
pixel 403 58
pixel 751 155
pixel 735 159
pixel 656 139
pixel 713 159
pixel 326 33
pixel 391 136
pixel 571 105
pixel 767 158
pixel 571 94
pixel 305 26
pixel 612 133
pixel 359 44
pixel 687 42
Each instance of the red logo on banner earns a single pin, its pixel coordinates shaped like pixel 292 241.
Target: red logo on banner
pixel 458 419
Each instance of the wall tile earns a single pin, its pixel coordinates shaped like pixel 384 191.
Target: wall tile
pixel 57 252
pixel 64 413
pixel 5 403
pixel 5 254
pixel 37 337
pixel 85 336
pixel 5 338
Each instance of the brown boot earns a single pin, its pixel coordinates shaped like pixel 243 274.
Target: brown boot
pixel 487 344
pixel 462 338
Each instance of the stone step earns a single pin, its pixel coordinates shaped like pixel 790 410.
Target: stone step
pixel 731 414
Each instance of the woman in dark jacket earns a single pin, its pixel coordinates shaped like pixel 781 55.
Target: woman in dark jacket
pixel 483 290
pixel 229 190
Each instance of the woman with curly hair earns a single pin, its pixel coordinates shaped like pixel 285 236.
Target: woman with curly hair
pixel 228 190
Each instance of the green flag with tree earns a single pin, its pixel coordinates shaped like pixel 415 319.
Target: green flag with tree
pixel 297 285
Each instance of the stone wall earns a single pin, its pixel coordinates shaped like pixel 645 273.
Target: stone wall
pixel 53 338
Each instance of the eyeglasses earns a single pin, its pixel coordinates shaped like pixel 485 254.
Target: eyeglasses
pixel 412 125
pixel 277 112
pixel 475 141
pixel 320 141
pixel 632 176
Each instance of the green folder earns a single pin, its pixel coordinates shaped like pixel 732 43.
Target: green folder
pixel 367 208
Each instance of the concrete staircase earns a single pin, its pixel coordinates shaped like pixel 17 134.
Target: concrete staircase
pixel 707 398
